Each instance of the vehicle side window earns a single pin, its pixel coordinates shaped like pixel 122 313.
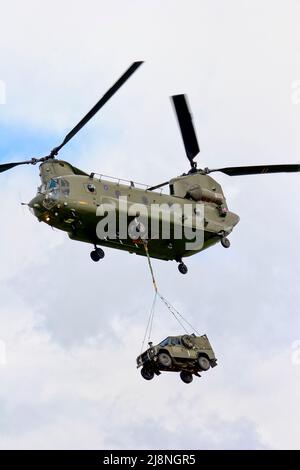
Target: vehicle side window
pixel 175 341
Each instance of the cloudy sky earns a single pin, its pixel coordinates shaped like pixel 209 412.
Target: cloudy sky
pixel 70 330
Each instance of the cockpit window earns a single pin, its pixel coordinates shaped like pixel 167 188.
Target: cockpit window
pixel 56 188
pixel 41 189
pixel 65 187
pixel 58 185
pixel 53 183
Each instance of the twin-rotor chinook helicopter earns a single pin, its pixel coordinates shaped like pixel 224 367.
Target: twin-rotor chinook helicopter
pixel 68 198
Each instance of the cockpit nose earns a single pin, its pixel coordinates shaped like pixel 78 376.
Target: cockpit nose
pixel 49 196
pixel 36 205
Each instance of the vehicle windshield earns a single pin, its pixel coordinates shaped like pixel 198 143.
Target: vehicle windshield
pixel 165 342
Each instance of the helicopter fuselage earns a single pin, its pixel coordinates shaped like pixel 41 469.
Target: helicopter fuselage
pixel 83 206
pixel 91 209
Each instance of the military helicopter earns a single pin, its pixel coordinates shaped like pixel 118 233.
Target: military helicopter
pixel 69 199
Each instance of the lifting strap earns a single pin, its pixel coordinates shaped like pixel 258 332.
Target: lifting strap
pixel 150 265
pixel 149 324
pixel 180 319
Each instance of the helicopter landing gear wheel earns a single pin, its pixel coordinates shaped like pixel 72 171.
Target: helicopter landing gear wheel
pixel 225 242
pixel 182 268
pixel 97 254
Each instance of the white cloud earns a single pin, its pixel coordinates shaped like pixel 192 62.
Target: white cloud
pixel 72 329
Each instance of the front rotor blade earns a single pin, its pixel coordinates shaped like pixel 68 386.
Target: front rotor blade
pixel 9 166
pixel 257 169
pixel 186 126
pixel 98 105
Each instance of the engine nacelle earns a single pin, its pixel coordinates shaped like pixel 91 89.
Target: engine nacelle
pixel 199 187
pixel 201 194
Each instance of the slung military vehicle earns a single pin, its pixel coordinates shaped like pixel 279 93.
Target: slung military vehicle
pixel 69 199
pixel 187 354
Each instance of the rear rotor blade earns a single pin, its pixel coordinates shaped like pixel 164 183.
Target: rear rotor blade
pixel 98 106
pixel 186 126
pixel 152 188
pixel 256 169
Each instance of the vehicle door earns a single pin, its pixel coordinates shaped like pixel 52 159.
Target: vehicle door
pixel 177 349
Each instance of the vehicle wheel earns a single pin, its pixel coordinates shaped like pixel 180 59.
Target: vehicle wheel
pixel 186 377
pixel 204 363
pixel 95 256
pixel 165 360
pixel 182 268
pixel 147 373
pixel 187 341
pixel 225 242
